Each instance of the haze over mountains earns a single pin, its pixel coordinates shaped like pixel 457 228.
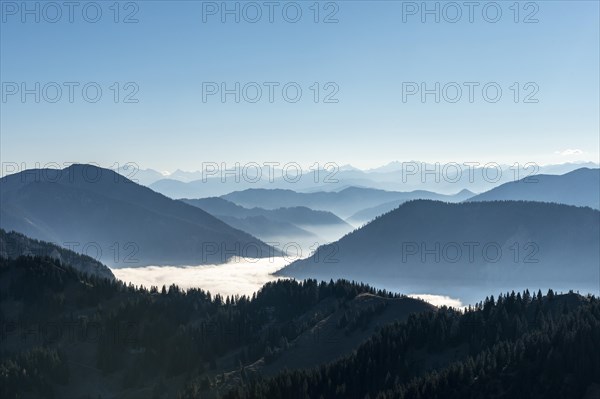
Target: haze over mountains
pixel 299 215
pixel 304 225
pixel 131 225
pixel 447 248
pixel 117 221
pixel 344 203
pixel 449 178
pixel 191 344
pixel 580 187
pixel 224 221
pixel 128 224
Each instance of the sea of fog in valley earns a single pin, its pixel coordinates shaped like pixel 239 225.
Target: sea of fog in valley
pixel 240 276
pixel 237 277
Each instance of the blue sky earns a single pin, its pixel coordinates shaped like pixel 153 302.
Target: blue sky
pixel 368 56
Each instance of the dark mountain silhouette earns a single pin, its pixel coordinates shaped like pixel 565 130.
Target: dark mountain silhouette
pixel 70 335
pixel 130 225
pixel 563 168
pixel 298 215
pixel 341 332
pixel 13 245
pixel 513 346
pixel 343 203
pixel 442 248
pixel 369 214
pixel 297 225
pixel 214 187
pixel 253 222
pixel 268 229
pixel 580 187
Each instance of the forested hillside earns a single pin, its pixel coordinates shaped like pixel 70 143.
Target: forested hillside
pixel 13 245
pixel 67 334
pixel 518 346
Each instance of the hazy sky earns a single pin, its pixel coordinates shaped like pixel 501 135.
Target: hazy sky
pixel 179 52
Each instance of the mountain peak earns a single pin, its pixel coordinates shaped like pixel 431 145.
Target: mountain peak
pixel 88 204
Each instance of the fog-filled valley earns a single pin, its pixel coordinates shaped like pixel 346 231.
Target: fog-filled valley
pixel 410 253
pixel 299 200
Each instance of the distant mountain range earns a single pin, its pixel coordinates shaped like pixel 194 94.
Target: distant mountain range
pixel 144 177
pixel 344 203
pixel 580 187
pixel 396 166
pixel 395 176
pixel 436 247
pixel 299 215
pixel 286 226
pixel 117 221
pixel 13 245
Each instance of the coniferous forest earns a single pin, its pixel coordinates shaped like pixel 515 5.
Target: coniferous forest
pixel 61 325
pixel 313 199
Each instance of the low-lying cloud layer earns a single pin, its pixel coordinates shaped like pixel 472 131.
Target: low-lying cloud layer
pixel 439 300
pixel 240 276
